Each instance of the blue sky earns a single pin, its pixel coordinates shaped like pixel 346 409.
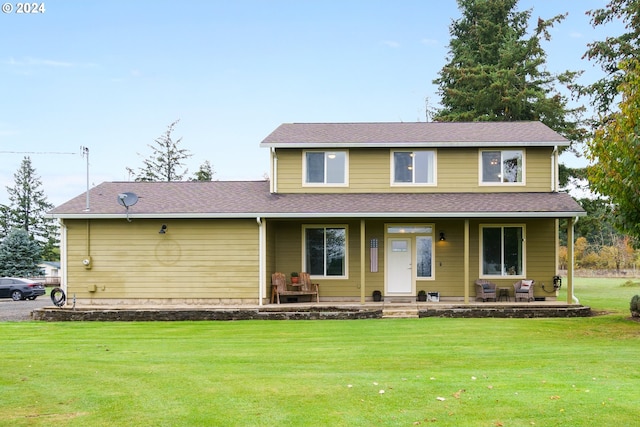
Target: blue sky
pixel 112 75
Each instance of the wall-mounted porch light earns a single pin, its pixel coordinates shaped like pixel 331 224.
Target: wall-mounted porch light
pixel 442 238
pixel 163 229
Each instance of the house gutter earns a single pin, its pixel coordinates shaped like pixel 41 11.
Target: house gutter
pixel 554 169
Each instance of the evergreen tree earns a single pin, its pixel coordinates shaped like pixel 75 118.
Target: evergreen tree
pixel 19 255
pixel 495 72
pixel 205 173
pixel 28 209
pixel 165 160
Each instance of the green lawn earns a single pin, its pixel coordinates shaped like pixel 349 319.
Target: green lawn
pixel 395 372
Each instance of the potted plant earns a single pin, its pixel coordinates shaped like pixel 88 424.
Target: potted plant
pixel 422 296
pixel 377 296
pixel 295 277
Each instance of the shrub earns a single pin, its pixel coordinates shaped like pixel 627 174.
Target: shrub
pixel 634 306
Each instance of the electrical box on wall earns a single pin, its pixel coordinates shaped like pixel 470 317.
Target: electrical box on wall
pixel 87 262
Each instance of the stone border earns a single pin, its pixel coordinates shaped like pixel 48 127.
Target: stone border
pixel 50 314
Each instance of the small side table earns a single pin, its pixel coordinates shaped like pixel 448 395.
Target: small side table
pixel 503 293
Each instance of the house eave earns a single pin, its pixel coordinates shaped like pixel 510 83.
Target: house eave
pixel 454 144
pixel 304 215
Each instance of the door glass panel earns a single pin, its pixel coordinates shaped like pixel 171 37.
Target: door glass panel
pixel 424 254
pixel 399 246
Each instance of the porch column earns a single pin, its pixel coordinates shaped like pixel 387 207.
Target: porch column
pixel 363 291
pixel 570 261
pixel 262 256
pixel 466 261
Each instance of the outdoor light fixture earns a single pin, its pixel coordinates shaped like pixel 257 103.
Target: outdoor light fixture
pixel 163 229
pixel 442 238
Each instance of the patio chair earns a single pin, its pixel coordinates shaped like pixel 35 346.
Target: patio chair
pixel 523 289
pixel 485 290
pixel 279 287
pixel 308 287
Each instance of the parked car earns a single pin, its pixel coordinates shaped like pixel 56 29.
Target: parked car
pixel 19 289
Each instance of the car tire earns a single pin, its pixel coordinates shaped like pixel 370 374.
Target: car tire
pixel 16 295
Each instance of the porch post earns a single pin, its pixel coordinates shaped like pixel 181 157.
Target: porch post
pixel 466 261
pixel 570 261
pixel 262 232
pixel 362 261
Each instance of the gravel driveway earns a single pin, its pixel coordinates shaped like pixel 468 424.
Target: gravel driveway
pixel 11 310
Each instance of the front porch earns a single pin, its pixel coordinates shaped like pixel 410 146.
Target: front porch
pixel 315 311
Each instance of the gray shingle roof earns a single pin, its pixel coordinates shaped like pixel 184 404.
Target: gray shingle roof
pixel 432 133
pixel 239 199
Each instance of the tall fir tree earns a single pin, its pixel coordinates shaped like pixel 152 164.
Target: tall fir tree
pixel 495 72
pixel 28 208
pixel 166 159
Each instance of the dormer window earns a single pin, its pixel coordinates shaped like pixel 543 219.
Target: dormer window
pixel 502 167
pixel 325 168
pixel 413 167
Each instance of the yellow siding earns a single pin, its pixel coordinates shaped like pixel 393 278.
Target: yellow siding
pixel 457 171
pixel 194 259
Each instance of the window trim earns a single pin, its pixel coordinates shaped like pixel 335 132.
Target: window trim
pixel 325 183
pixel 346 250
pixel 502 184
pixel 481 228
pixel 392 181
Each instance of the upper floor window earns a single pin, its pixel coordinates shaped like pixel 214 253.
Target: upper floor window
pixel 502 166
pixel 413 167
pixel 325 167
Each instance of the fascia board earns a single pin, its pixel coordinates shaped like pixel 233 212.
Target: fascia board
pixel 464 144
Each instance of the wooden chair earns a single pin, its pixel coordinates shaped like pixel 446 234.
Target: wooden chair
pixel 279 287
pixel 308 287
pixel 485 290
pixel 522 291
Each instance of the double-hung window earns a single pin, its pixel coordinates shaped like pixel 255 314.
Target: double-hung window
pixel 325 250
pixel 325 168
pixel 502 167
pixel 413 167
pixel 502 252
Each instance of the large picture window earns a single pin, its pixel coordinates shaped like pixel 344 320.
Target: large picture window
pixel 325 250
pixel 502 250
pixel 325 167
pixel 500 167
pixel 413 167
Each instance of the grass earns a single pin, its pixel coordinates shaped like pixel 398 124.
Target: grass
pixel 396 372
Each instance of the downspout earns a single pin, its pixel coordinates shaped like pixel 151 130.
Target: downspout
pixel 261 260
pixel 274 171
pixel 554 168
pixel 63 255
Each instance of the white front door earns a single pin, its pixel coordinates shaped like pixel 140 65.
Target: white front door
pixel 399 269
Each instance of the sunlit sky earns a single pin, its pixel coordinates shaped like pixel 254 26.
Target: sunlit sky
pixel 111 75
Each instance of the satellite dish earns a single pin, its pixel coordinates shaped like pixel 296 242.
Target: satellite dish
pixel 127 199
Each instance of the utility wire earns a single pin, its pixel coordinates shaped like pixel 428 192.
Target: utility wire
pixel 35 152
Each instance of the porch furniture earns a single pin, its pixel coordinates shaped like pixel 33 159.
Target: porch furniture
pixel 503 293
pixel 485 290
pixel 523 289
pixel 279 287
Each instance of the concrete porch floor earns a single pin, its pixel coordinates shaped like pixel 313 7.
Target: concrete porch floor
pixel 314 311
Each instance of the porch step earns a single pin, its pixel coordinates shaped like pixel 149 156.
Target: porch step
pixel 400 311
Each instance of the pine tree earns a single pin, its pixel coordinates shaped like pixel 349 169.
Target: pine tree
pixel 19 255
pixel 165 160
pixel 205 173
pixel 496 73
pixel 28 208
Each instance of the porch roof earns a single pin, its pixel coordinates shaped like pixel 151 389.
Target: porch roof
pixel 250 199
pixel 413 134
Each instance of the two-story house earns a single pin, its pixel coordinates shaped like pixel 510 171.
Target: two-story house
pixel 362 207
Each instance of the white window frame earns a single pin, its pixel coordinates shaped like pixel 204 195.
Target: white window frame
pixel 523 174
pixel 327 154
pixel 305 227
pixel 413 183
pixel 503 273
